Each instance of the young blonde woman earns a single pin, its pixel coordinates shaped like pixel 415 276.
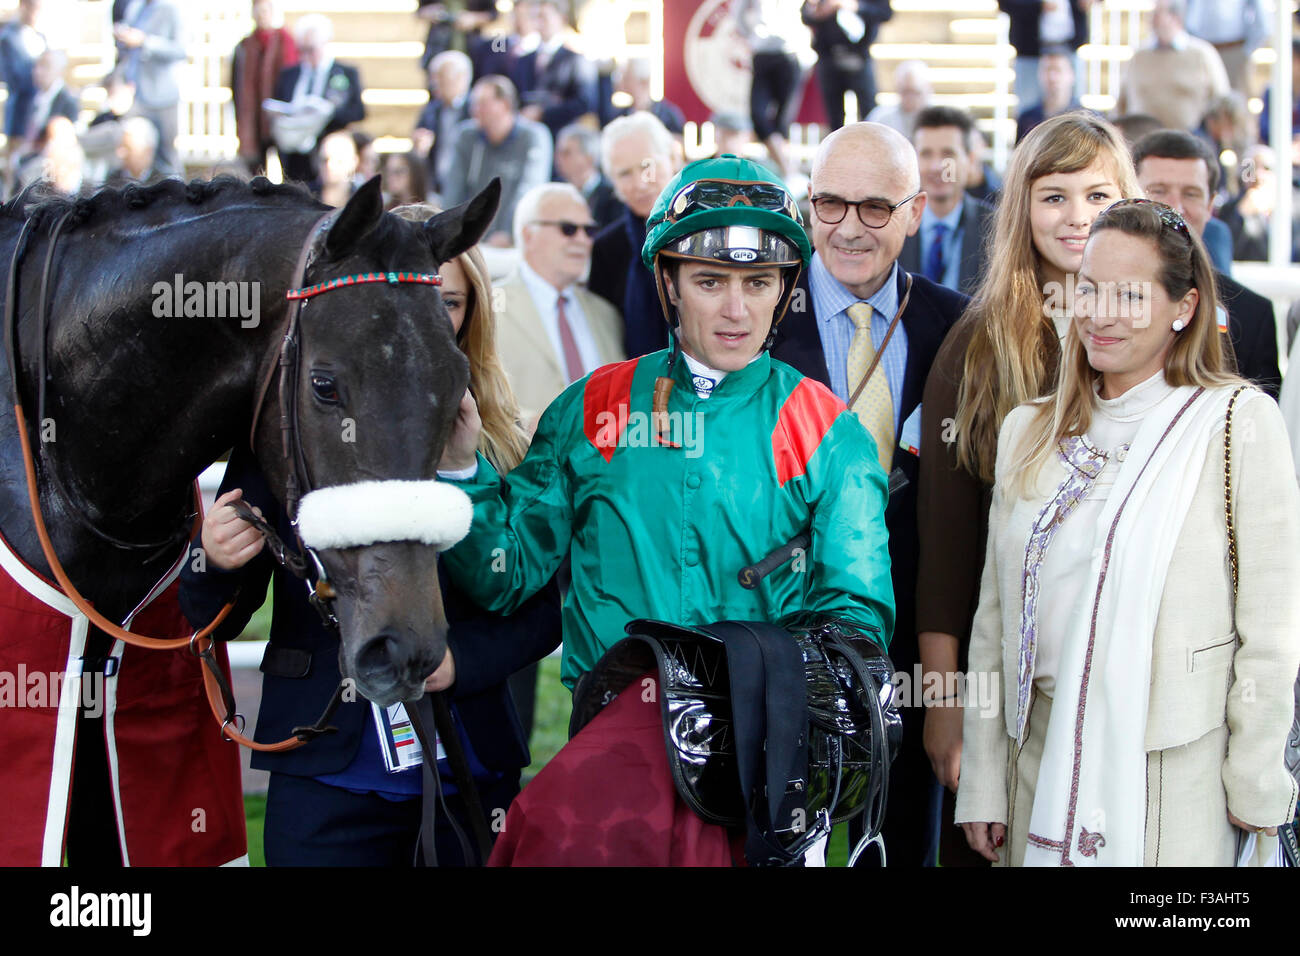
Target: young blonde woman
pixel 1004 352
pixel 1144 634
pixel 335 803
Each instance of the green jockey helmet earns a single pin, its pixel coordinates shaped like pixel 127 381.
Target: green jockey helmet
pixel 728 211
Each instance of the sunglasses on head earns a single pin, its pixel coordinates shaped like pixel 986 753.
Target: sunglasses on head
pixel 720 194
pixel 570 228
pixel 1168 215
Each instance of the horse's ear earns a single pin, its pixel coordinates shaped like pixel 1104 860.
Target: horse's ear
pixel 452 232
pixel 355 220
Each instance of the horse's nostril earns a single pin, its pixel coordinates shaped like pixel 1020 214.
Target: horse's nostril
pixel 378 658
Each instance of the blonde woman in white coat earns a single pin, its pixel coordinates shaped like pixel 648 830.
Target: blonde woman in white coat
pixel 1142 702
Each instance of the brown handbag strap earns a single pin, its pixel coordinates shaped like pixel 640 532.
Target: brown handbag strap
pixel 889 334
pixel 1227 492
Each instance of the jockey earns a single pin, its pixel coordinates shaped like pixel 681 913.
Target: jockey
pixel 659 478
pixel 662 476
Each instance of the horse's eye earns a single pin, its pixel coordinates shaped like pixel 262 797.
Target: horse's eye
pixel 324 387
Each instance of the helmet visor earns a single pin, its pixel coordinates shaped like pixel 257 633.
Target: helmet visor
pixel 736 246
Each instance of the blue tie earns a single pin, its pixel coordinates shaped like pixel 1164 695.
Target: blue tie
pixel 934 267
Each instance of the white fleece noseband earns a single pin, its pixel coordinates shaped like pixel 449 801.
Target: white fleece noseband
pixel 368 512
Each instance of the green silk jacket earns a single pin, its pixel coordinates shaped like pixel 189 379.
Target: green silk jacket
pixel 662 532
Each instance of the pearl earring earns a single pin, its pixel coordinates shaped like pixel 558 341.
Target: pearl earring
pixel 1179 325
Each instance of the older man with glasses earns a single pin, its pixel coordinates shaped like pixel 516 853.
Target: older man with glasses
pixel 860 324
pixel 552 330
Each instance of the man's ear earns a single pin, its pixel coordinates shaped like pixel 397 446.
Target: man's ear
pixel 918 207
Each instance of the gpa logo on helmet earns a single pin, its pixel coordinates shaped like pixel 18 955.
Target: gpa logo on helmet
pixel 743 255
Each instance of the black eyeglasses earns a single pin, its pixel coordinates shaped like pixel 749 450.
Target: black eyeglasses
pixel 872 213
pixel 720 194
pixel 569 228
pixel 1168 214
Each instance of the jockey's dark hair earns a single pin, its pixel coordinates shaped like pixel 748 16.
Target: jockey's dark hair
pixel 44 207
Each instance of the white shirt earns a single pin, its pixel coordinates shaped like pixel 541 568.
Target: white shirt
pixel 318 77
pixel 1056 26
pixel 545 296
pixel 1065 574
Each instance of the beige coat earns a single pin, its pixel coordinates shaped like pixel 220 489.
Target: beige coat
pixel 536 372
pixel 1221 700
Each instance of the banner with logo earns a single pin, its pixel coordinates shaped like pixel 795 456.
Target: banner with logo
pixel 706 62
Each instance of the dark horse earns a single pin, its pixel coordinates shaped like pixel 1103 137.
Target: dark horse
pixel 137 404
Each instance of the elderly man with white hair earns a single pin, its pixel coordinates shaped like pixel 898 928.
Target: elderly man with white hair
pixel 450 73
pixel 636 153
pixel 551 330
pixel 315 98
pixel 577 159
pixel 912 84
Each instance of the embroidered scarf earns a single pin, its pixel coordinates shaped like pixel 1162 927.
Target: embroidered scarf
pixel 1090 799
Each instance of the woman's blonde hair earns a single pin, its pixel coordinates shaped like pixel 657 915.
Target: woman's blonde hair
pixel 1008 361
pixel 503 441
pixel 1200 354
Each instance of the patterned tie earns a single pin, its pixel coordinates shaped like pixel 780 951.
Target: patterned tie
pixel 934 266
pixel 572 357
pixel 874 407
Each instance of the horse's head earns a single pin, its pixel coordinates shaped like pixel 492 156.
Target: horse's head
pixel 379 379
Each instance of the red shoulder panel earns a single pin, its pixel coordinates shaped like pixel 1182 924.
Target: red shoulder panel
pixel 804 420
pixel 605 402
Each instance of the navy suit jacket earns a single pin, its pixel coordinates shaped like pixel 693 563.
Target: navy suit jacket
pixel 301 665
pixel 431 119
pixel 343 88
pixel 976 221
pixel 1252 328
pixel 565 90
pixel 931 312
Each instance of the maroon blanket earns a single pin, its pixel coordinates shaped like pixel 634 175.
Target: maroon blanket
pixel 607 799
pixel 175 782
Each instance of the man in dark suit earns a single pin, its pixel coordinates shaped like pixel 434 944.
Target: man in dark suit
pixel 842 34
pixel 854 302
pixel 435 131
pixel 1178 169
pixel 556 85
pixel 949 248
pixel 317 77
pixel 1036 24
pixel 577 159
pixel 20 44
pixel 636 153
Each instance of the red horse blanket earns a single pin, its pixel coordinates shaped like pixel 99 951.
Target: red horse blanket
pixel 176 783
pixel 607 799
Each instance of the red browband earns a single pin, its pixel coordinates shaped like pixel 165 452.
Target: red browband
pixel 393 278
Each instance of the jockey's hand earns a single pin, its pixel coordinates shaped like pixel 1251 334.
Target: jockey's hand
pixel 942 740
pixel 444 676
pixel 985 838
pixel 461 449
pixel 1241 824
pixel 229 541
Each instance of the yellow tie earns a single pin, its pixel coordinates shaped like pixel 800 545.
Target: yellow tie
pixel 874 407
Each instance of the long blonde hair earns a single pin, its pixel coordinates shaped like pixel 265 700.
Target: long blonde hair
pixel 1009 359
pixel 1200 354
pixel 503 440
